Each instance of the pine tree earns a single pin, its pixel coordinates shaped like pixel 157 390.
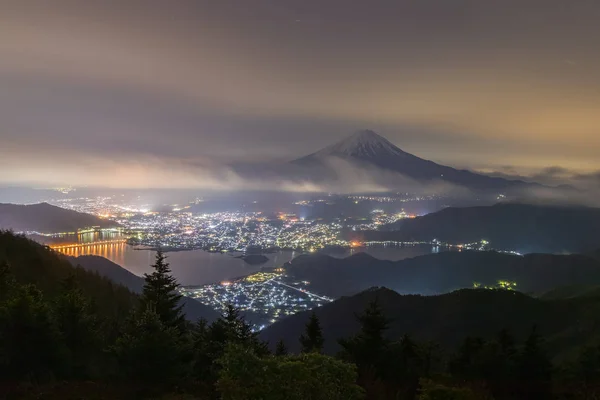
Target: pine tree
pixel 7 280
pixel 588 365
pixel 200 344
pixel 370 351
pixel 160 294
pixel 239 331
pixel 502 366
pixel 464 364
pixel 368 348
pixel 210 342
pixel 30 345
pixel 507 344
pixel 312 341
pixel 281 350
pixel 150 352
pixel 409 366
pixel 534 369
pixel 78 327
pixel 373 325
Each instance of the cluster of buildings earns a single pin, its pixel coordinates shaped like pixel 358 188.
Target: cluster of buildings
pixel 179 228
pixel 263 297
pixel 500 284
pixel 400 198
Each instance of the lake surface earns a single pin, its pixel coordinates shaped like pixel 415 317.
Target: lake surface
pixel 198 267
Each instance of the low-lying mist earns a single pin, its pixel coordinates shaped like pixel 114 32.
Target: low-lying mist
pixel 335 175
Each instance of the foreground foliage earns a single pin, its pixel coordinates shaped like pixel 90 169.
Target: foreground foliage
pixel 75 335
pixel 246 376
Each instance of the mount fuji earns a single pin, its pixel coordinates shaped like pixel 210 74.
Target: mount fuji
pixel 366 149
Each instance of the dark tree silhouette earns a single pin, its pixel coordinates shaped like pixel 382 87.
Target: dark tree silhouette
pixel 78 326
pixel 30 344
pixel 370 351
pixel 281 350
pixel 151 352
pixel 7 280
pixel 312 340
pixel 534 369
pixel 369 347
pixel 160 294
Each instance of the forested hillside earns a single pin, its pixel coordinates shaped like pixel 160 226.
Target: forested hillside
pixel 67 333
pixel 192 309
pixel 46 218
pixel 444 272
pixel 525 228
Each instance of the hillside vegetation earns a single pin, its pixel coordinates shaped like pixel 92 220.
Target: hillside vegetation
pixel 68 333
pixel 192 309
pixel 32 263
pixel 46 218
pixel 447 319
pixel 444 272
pixel 525 228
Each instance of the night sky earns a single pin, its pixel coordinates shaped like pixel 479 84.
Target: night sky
pixel 136 93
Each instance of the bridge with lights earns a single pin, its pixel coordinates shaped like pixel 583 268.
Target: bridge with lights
pixel 61 247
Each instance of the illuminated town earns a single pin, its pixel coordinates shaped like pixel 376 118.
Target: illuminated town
pixel 263 297
pixel 181 229
pixel 500 285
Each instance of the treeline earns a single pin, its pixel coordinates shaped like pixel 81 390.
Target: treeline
pixel 60 346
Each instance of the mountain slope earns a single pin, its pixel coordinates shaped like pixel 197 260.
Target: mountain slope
pixel 571 292
pixel 193 309
pixel 448 319
pixel 33 263
pixel 520 227
pixel 46 218
pixel 367 149
pixel 443 272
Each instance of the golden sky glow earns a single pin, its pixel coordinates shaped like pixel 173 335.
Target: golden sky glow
pixel 476 84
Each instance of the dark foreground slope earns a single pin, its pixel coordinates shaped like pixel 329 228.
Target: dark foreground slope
pixel 449 318
pixel 193 309
pixel 113 287
pixel 46 218
pixel 443 272
pixel 524 228
pixel 33 263
pixel 571 292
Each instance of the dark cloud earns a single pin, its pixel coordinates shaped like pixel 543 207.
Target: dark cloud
pixel 475 84
pixel 554 173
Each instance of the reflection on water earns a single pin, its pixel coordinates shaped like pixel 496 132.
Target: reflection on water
pixel 396 252
pixel 198 267
pixel 85 237
pixel 113 251
pixel 193 267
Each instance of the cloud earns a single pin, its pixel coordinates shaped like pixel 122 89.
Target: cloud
pixel 147 172
pixel 554 173
pixel 336 175
pixel 173 78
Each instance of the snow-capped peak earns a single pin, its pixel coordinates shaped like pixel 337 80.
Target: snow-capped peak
pixel 364 143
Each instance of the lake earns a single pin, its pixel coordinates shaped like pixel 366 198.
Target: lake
pixel 198 267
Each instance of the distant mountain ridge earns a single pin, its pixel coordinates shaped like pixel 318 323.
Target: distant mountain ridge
pixel 447 319
pixel 46 218
pixel 443 272
pixel 507 226
pixel 368 149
